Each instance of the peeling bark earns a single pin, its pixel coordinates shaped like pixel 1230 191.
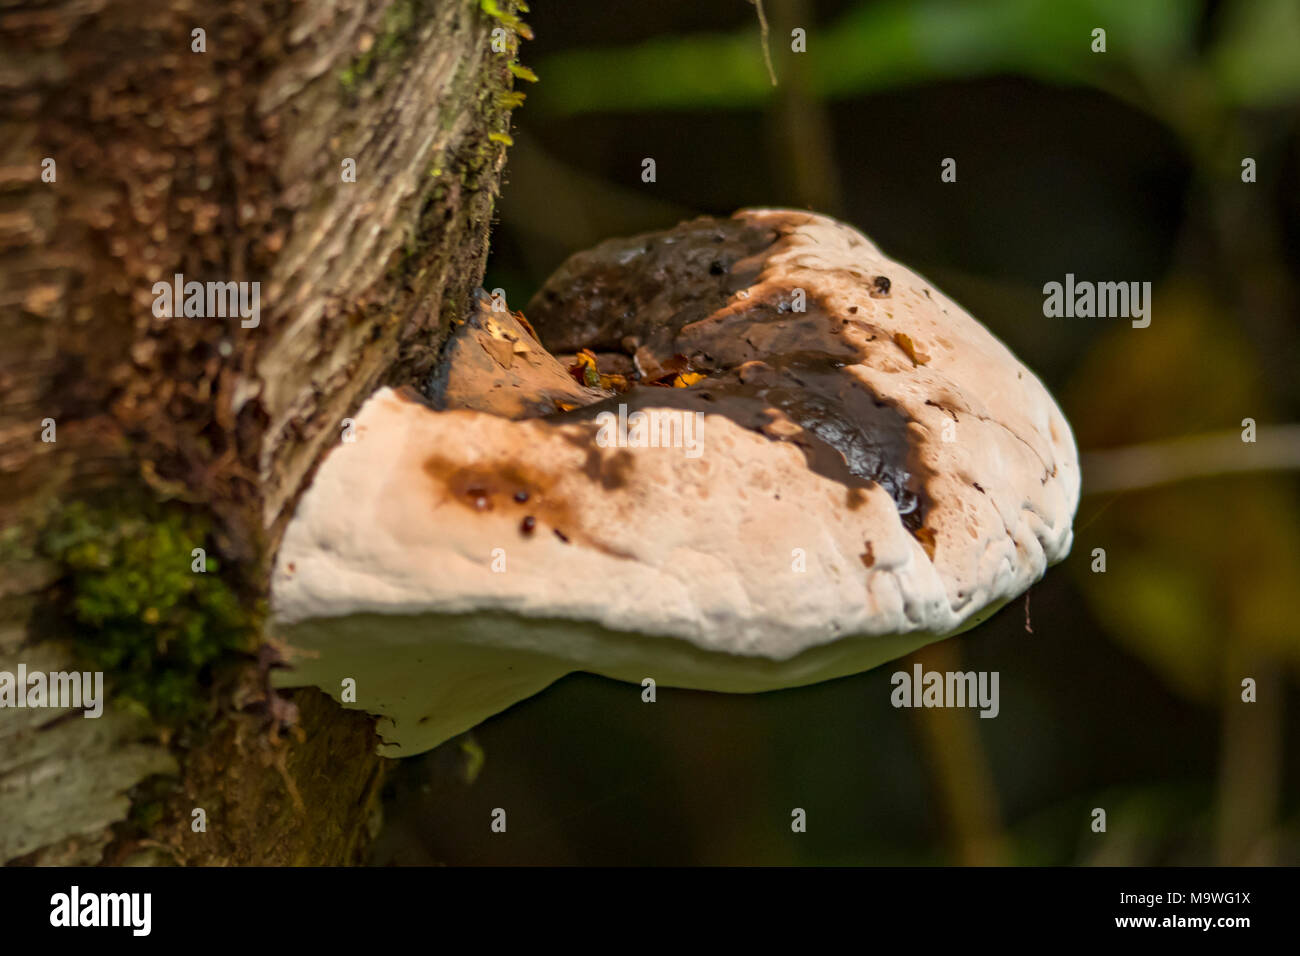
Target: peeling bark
pixel 223 165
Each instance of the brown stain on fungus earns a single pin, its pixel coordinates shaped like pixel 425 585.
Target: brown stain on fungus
pixel 527 492
pixel 480 498
pixel 651 285
pixel 706 289
pixel 481 488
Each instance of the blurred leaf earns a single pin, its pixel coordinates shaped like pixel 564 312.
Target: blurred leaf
pixel 1195 567
pixel 667 73
pixel 1162 621
pixel 1147 824
pixel 1257 59
pixel 878 46
pixel 941 39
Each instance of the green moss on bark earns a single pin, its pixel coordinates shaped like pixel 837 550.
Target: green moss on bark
pixel 399 22
pixel 143 608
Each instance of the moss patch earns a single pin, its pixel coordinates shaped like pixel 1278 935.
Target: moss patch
pixel 500 11
pixel 138 609
pixel 396 29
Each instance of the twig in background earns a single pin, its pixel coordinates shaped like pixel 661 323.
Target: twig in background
pixel 763 39
pixel 1276 448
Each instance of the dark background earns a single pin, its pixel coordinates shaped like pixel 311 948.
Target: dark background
pixel 1115 166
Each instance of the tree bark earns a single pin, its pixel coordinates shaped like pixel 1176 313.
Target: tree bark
pixel 221 165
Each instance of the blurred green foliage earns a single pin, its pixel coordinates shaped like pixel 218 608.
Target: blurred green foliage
pixel 1257 60
pixel 1195 566
pixel 877 46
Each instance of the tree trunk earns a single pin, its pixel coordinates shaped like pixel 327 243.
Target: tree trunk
pixel 220 156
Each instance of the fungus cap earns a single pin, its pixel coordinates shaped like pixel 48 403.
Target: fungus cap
pixel 850 467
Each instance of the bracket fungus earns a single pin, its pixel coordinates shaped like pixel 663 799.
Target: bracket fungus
pixel 777 457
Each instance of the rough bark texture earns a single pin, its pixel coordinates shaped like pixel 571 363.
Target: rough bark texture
pixel 222 165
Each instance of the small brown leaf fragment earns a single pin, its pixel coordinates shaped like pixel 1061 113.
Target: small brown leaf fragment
pixel 647 365
pixel 519 317
pixel 927 539
pixel 655 372
pixel 584 369
pixel 904 342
